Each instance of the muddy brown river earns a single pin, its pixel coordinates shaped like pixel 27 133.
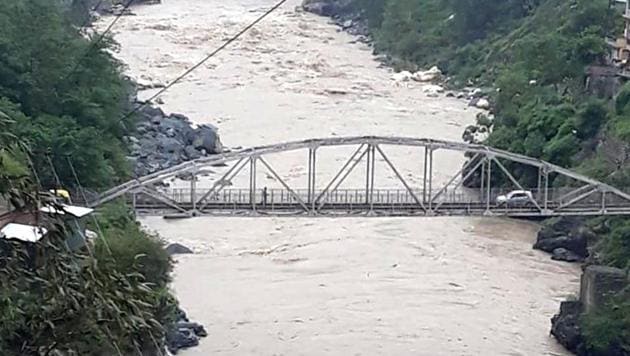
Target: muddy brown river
pixel 313 286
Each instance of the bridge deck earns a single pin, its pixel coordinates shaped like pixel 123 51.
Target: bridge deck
pixel 353 202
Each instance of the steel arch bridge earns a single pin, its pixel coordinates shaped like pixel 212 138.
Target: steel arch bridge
pixel 582 195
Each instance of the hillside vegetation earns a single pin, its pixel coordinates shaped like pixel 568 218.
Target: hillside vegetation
pixel 61 100
pixel 64 93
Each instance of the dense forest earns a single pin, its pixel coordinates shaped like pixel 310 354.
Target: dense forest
pixel 531 56
pixel 61 103
pixel 63 92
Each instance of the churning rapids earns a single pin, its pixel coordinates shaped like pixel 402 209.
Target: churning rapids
pixel 271 286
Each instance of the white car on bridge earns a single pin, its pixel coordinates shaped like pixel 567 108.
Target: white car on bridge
pixel 515 198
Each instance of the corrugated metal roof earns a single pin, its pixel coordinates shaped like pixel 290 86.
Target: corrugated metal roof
pixel 76 211
pixel 26 233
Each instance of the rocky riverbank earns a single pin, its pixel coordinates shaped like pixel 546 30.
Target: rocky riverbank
pixel 598 287
pixel 573 239
pixel 183 333
pixel 432 81
pixel 567 239
pixel 162 140
pixel 343 14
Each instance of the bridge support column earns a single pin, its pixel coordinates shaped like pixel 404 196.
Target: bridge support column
pixel 430 179
pixel 546 192
pixel 252 182
pixel 539 184
pixel 193 191
pixel 483 181
pixel 488 184
pixel 312 174
pixel 424 175
pixel 369 177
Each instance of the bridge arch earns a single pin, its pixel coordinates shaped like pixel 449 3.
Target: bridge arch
pixel 590 197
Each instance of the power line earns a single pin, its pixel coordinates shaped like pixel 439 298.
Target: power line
pixel 200 63
pixel 99 39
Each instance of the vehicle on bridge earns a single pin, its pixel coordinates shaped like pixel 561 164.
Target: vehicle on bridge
pixel 516 198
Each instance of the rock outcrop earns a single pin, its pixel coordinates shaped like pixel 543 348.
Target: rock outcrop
pixel 343 14
pixel 162 141
pixel 566 238
pixel 177 249
pixel 565 326
pixel 598 285
pixel 183 333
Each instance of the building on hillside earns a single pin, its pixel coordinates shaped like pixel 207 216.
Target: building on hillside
pixel 27 227
pixel 620 47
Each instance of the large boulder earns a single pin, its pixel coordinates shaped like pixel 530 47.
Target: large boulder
pixel 179 124
pixel 567 234
pixel 170 145
pixel 181 338
pixel 197 328
pixel 562 254
pixel 430 75
pixel 177 249
pixel 565 326
pixel 573 243
pixel 403 76
pixel 206 138
pixel 192 153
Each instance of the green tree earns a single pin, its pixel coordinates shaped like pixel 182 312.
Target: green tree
pixel 47 82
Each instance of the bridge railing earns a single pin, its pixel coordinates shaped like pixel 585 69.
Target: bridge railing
pixel 341 196
pixel 556 196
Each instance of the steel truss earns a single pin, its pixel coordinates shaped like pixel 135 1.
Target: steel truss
pixel 590 197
